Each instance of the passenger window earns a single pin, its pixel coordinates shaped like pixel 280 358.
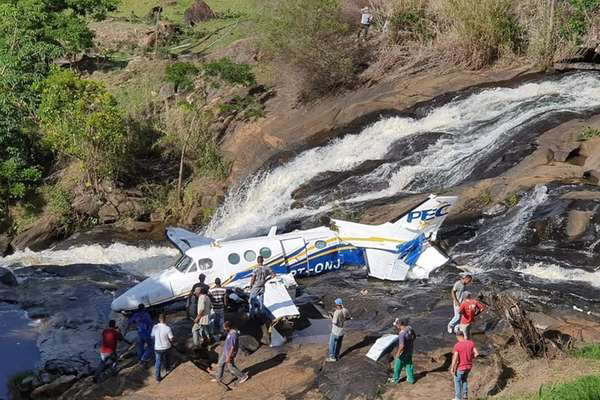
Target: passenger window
pixel 250 255
pixel 233 258
pixel 193 268
pixel 265 252
pixel 320 244
pixel 205 263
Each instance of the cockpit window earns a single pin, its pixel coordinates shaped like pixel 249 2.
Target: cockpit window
pixel 250 255
pixel 183 263
pixel 204 264
pixel 193 268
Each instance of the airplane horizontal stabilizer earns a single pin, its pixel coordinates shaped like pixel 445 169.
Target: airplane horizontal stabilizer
pixel 185 240
pixel 277 299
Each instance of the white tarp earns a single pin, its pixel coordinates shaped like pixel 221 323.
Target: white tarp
pixel 381 346
pixel 277 298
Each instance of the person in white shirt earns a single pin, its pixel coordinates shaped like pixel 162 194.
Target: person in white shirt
pixel 163 339
pixel 365 21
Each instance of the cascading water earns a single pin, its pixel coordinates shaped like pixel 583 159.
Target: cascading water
pixel 472 128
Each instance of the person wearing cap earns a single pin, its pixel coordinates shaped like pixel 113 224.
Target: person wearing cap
pixel 340 315
pixel 456 294
pixel 404 352
pixel 462 361
pixel 468 310
pixel 365 22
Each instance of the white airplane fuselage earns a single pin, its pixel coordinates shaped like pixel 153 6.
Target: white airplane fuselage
pixel 298 254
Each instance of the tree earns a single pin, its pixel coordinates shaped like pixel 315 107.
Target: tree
pixel 33 33
pixel 80 119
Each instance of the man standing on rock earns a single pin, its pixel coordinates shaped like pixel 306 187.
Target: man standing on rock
pixel 462 361
pixel 192 299
pixel 469 309
pixel 456 294
pixel 200 329
pixel 111 337
pixel 340 315
pixel 143 321
pixel 404 352
pixel 257 284
pixel 230 349
pixel 163 339
pixel 218 298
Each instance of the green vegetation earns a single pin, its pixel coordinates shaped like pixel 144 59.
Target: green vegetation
pixel 578 19
pixel 591 351
pixel 485 198
pixel 181 74
pixel 230 72
pixel 589 133
pixel 511 200
pixel 311 35
pixel 409 21
pixel 80 119
pixel 583 388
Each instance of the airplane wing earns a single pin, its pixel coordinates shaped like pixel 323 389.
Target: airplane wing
pixel 277 298
pixel 185 240
pixel 380 346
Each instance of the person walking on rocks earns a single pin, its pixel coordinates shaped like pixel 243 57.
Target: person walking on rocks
pixel 462 361
pixel 192 299
pixel 456 294
pixel 200 329
pixel 257 287
pixel 468 310
pixel 227 357
pixel 218 298
pixel 404 352
pixel 163 340
pixel 365 22
pixel 111 337
pixel 340 315
pixel 143 321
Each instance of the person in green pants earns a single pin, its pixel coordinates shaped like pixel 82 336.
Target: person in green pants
pixel 404 352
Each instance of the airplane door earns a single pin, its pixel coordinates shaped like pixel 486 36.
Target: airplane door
pixel 294 251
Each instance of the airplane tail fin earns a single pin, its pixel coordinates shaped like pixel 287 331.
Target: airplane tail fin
pixel 428 216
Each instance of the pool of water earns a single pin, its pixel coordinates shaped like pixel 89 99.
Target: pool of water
pixel 17 345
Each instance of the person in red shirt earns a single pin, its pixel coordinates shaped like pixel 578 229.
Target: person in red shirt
pixel 469 309
pixel 462 361
pixel 108 349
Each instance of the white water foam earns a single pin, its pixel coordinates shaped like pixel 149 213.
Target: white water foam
pixel 144 261
pixel 556 273
pixel 474 127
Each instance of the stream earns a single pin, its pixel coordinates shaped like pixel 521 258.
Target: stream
pixel 472 136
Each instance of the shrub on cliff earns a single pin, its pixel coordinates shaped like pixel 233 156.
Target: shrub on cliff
pixel 311 35
pixel 80 119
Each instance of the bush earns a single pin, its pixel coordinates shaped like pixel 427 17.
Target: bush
pixel 409 22
pixel 589 133
pixel 483 29
pixel 584 388
pixel 80 119
pixel 311 35
pixel 181 75
pixel 230 72
pixel 576 19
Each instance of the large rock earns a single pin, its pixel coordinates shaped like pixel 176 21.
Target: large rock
pixel 577 222
pixel 86 204
pixel 108 213
pixel 39 235
pixel 7 277
pixel 199 11
pixel 54 388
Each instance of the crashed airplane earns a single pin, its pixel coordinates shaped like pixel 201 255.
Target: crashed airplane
pixel 396 251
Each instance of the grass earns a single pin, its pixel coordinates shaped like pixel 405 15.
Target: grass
pixel 589 133
pixel 582 388
pixel 590 352
pixel 511 200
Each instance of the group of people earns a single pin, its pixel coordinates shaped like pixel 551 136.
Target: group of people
pixel 466 309
pixel 206 308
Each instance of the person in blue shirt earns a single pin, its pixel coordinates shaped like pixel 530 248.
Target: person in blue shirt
pixel 227 358
pixel 143 321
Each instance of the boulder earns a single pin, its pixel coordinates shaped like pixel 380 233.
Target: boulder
pixel 577 222
pixel 7 278
pixel 167 91
pixel 4 245
pixel 593 176
pixel 54 388
pixel 38 235
pixel 199 11
pixel 86 204
pixel 108 213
